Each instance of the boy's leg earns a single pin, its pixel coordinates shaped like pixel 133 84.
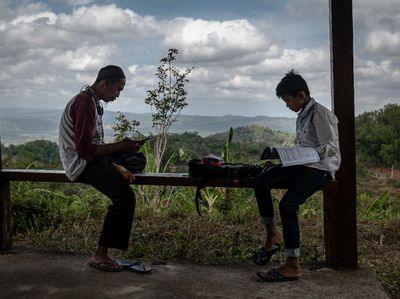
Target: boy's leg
pixel 305 183
pixel 263 184
pixel 102 175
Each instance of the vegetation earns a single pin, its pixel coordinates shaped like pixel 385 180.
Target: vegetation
pixel 167 100
pixel 378 136
pixel 39 154
pixel 69 216
pixel 123 127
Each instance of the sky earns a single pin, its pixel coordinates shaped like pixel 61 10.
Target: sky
pixel 239 50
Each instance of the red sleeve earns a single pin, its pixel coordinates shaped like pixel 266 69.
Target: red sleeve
pixel 83 114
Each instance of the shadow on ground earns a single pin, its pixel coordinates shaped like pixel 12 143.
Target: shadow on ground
pixel 43 275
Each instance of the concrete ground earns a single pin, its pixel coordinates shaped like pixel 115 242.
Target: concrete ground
pixel 43 275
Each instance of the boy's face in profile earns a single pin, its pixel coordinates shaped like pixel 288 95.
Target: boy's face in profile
pixel 112 90
pixel 296 103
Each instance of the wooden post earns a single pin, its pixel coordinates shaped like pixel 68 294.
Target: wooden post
pixel 330 235
pixel 344 244
pixel 5 212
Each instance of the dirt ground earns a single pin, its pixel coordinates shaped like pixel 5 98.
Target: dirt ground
pixel 27 274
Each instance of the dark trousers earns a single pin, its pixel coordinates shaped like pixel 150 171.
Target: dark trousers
pixel 101 174
pixel 301 182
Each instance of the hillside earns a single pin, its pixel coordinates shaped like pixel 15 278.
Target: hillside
pixel 19 125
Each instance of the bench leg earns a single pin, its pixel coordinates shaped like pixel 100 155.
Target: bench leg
pixel 5 216
pixel 330 234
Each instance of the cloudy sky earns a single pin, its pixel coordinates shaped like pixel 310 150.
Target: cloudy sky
pixel 239 51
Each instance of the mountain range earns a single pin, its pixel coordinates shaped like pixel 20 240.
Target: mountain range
pixel 19 125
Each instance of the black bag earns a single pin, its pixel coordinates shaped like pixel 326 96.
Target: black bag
pixel 135 162
pixel 206 169
pixel 199 169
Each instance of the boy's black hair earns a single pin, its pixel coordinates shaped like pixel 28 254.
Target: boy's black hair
pixel 113 73
pixel 291 85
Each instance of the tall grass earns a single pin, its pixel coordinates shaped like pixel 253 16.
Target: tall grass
pixel 166 225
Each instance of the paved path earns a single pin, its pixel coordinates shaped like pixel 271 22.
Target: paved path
pixel 43 275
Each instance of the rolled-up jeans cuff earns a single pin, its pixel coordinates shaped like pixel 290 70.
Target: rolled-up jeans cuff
pixel 292 252
pixel 266 220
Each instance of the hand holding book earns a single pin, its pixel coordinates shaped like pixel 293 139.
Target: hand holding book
pixel 291 155
pixel 269 153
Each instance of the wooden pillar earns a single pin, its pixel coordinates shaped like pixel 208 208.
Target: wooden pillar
pixel 5 212
pixel 344 246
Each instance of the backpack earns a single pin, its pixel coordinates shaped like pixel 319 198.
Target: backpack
pixel 211 167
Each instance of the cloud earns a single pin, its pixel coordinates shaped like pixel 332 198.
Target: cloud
pixel 36 40
pixel 95 24
pixel 48 55
pixel 383 42
pixel 305 8
pixel 107 21
pixel 78 2
pixel 376 44
pixel 298 59
pixel 376 27
pixel 49 17
pixel 84 58
pixel 236 41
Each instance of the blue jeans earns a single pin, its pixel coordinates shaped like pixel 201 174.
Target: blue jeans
pixel 301 182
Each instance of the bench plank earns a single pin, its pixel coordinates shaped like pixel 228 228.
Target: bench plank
pixel 149 178
pixel 161 179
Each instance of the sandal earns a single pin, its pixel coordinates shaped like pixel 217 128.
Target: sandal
pixel 274 276
pixel 106 266
pixel 262 256
pixel 134 266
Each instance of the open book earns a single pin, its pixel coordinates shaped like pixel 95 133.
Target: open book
pixel 291 155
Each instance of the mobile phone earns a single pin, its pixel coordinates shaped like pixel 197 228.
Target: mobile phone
pixel 141 141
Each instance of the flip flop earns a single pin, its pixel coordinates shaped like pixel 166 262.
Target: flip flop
pixel 106 266
pixel 135 266
pixel 262 256
pixel 274 276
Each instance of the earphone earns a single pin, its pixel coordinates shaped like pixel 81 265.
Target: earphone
pixel 99 105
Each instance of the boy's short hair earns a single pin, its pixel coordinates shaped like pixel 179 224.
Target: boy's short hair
pixel 291 85
pixel 113 73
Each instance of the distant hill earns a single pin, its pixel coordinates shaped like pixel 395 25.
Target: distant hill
pixel 19 125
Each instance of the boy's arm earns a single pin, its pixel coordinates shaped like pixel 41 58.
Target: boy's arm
pixel 269 153
pixel 124 146
pixel 326 128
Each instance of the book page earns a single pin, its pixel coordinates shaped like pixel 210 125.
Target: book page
pixel 297 155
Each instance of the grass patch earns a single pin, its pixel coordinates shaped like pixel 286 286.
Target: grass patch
pixel 167 226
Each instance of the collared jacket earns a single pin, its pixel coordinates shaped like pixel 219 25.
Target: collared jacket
pixel 317 127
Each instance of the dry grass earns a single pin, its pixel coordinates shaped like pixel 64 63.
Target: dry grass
pixel 229 238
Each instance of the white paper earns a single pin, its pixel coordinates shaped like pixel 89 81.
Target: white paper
pixel 297 155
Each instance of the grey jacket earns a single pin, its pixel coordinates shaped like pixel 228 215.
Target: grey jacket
pixel 316 126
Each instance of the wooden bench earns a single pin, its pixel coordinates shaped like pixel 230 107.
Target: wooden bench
pixel 160 179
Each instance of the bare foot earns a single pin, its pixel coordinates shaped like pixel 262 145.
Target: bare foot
pixel 291 268
pixel 127 175
pixel 103 262
pixel 273 236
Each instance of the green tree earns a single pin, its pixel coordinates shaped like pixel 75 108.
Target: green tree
pixel 39 154
pixel 378 136
pixel 123 127
pixel 166 101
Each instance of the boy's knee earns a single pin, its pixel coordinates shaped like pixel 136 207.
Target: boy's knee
pixel 286 207
pixel 127 200
pixel 261 182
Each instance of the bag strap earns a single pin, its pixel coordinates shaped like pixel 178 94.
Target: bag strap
pixel 198 198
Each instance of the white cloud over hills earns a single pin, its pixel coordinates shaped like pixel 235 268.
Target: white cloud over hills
pixel 48 52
